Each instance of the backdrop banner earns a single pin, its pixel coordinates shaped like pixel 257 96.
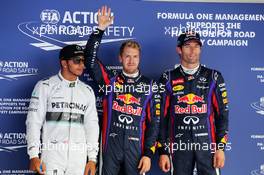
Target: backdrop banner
pixel 33 32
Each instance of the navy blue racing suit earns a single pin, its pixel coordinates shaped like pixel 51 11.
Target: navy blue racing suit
pixel 194 119
pixel 130 116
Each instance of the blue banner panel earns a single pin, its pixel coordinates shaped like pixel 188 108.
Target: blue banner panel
pixel 33 32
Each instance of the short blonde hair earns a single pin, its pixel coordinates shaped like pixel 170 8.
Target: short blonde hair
pixel 129 43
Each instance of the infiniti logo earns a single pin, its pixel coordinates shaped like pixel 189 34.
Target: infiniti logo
pixel 125 118
pixel 113 135
pixel 202 79
pixel 188 119
pixel 179 135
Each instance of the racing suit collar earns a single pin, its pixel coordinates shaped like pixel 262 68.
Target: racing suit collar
pixel 190 76
pixel 131 79
pixel 67 82
pixel 134 75
pixel 190 71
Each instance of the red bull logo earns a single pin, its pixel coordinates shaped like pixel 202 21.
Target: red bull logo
pixel 190 109
pixel 190 99
pixel 128 99
pixel 127 109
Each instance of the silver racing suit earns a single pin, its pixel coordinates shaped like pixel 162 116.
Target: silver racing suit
pixel 62 125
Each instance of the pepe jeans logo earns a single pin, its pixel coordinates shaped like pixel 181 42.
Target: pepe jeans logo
pixel 53 24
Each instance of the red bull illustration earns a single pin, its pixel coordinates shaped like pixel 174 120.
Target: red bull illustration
pixel 190 99
pixel 127 109
pixel 128 99
pixel 191 108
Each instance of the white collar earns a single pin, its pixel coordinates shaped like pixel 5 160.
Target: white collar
pixel 190 71
pixel 134 75
pixel 68 82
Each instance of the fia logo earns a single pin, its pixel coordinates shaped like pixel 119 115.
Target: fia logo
pixel 50 16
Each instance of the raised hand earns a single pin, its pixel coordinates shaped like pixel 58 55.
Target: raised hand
pixel 104 17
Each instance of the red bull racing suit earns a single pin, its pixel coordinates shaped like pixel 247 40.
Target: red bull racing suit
pixel 66 114
pixel 194 120
pixel 130 125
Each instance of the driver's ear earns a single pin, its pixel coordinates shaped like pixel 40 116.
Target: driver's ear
pixel 63 63
pixel 120 58
pixel 179 50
